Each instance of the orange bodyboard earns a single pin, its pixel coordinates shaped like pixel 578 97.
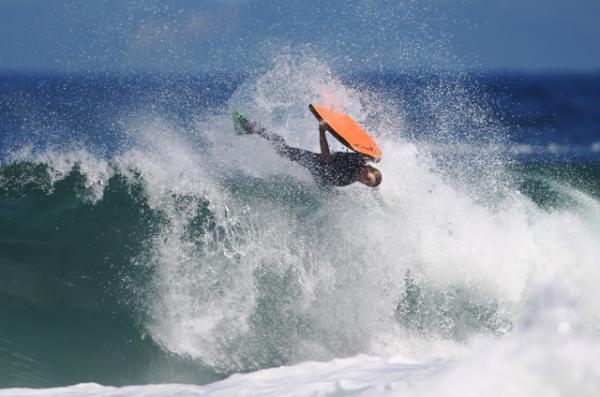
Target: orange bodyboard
pixel 347 131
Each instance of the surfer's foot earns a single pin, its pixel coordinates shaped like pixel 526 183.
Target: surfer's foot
pixel 241 124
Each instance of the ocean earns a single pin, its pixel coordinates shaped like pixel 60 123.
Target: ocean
pixel 145 249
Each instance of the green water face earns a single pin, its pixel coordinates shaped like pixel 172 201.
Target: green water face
pixel 70 293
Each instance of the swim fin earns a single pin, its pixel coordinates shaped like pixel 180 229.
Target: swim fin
pixel 241 124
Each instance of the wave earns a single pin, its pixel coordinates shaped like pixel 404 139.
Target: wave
pixel 189 254
pixel 71 293
pixel 546 355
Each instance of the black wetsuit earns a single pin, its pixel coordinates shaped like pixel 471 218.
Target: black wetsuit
pixel 342 170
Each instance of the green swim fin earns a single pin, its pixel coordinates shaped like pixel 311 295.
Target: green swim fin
pixel 240 123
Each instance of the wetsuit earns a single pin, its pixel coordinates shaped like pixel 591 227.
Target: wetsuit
pixel 343 168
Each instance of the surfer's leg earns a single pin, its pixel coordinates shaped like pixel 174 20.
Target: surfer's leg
pixel 253 128
pixel 303 157
pixel 244 126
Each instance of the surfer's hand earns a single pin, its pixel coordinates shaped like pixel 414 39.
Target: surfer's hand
pixel 323 126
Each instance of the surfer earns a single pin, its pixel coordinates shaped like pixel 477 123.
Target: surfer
pixel 334 169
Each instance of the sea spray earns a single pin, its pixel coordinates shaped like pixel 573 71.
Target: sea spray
pixel 323 283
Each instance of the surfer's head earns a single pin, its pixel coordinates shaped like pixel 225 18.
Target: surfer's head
pixel 370 176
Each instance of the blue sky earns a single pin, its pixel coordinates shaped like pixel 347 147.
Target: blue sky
pixel 355 35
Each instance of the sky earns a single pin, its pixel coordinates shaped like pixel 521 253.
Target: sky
pixel 350 35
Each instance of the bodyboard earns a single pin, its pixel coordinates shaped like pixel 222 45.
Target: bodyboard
pixel 346 130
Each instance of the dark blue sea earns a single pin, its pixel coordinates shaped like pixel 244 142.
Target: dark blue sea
pixel 544 116
pixel 143 242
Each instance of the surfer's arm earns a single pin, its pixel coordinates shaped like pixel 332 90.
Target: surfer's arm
pixel 323 141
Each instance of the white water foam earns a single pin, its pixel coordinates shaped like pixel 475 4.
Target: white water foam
pixel 282 287
pixel 547 356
